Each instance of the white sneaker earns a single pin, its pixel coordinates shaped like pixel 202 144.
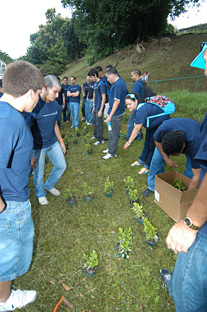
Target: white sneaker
pixel 108 156
pixel 43 200
pixel 18 299
pixel 54 192
pixel 93 138
pixel 99 142
pixel 106 151
pixel 71 126
pixel 82 119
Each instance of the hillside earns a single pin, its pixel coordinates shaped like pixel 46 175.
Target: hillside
pixel 162 62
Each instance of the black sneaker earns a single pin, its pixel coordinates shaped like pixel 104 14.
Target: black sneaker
pixel 166 276
pixel 147 192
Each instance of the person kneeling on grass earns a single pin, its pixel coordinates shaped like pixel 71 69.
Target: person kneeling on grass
pixel 142 112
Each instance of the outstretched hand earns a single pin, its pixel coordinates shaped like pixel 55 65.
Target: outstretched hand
pixel 170 163
pixel 180 237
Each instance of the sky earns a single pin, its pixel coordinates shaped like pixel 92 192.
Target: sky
pixel 21 18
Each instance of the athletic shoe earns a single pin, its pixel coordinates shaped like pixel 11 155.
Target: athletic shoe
pixel 82 119
pixel 143 171
pixel 166 276
pixel 93 138
pixel 71 126
pixel 43 200
pixel 106 151
pixel 108 156
pixel 54 192
pixel 147 192
pixel 18 299
pixel 99 142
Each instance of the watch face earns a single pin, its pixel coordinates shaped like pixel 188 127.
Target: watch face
pixel 187 221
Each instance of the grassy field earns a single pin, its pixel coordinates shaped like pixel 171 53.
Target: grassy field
pixel 64 233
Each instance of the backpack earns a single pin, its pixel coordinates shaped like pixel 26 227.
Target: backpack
pixel 147 90
pixel 164 102
pixel 107 89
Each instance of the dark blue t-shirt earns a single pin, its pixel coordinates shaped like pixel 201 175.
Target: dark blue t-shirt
pixel 147 110
pixel 99 89
pixel 191 130
pixel 66 89
pixel 16 144
pixel 1 94
pixel 118 92
pixel 138 87
pixel 74 89
pixel 60 96
pixel 86 88
pixel 42 121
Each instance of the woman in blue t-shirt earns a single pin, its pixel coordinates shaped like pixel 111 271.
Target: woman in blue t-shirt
pixel 142 111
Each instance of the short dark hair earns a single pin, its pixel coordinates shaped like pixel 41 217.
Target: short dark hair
pixel 109 66
pixel 133 97
pixel 73 77
pixel 112 70
pixel 21 76
pixel 137 72
pixel 93 72
pixel 52 81
pixel 65 78
pixel 172 142
pixel 98 68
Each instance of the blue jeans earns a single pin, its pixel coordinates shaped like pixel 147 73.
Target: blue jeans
pixel 88 111
pixel 55 154
pixel 188 285
pixel 157 167
pixel 114 134
pixel 74 108
pixel 16 240
pixel 148 150
pixel 83 107
pixel 67 104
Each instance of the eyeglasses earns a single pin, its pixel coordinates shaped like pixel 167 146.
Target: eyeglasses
pixel 131 95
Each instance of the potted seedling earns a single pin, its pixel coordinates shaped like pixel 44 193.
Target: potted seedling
pixel 133 195
pixel 139 213
pixel 177 183
pixel 85 129
pixel 123 246
pixel 108 187
pixel 89 148
pixel 129 184
pixel 87 138
pixel 69 197
pixel 90 264
pixel 151 235
pixel 77 132
pixel 87 192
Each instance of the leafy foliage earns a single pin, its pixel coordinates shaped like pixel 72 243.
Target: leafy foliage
pixel 129 182
pixel 138 209
pixel 150 230
pixel 133 194
pixel 108 186
pixel 177 183
pixel 87 189
pixel 69 194
pixel 92 260
pixel 125 241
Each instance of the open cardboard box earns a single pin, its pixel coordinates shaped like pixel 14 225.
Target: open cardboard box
pixel 174 202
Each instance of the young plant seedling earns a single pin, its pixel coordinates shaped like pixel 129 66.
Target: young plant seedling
pixel 129 183
pixel 150 231
pixel 177 183
pixel 108 186
pixel 125 241
pixel 91 260
pixel 87 190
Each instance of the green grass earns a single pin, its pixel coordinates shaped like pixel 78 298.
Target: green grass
pixel 64 233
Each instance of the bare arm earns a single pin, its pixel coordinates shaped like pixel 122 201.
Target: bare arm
pixel 133 136
pixel 168 161
pixel 103 95
pixel 2 205
pixel 59 137
pixel 195 179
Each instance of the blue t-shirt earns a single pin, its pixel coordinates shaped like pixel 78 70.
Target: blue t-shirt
pixel 1 94
pixel 15 154
pixel 138 87
pixel 147 110
pixel 191 130
pixel 99 89
pixel 86 88
pixel 59 99
pixel 66 89
pixel 74 89
pixel 118 92
pixel 42 122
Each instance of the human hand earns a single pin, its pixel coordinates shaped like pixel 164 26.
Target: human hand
pixel 170 163
pixel 108 119
pixel 62 145
pixel 33 163
pixel 180 237
pixel 99 114
pixel 126 145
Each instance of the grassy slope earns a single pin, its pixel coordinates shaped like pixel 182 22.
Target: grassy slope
pixel 63 233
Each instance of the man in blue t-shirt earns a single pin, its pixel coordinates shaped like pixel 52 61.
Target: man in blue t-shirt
pixel 66 105
pixel 118 92
pixel 84 89
pixel 47 140
pixel 16 225
pixel 173 137
pixel 74 95
pixel 98 105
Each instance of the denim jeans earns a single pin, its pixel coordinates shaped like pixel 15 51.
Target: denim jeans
pixel 16 240
pixel 157 167
pixel 148 150
pixel 67 104
pixel 88 111
pixel 98 126
pixel 188 285
pixel 74 109
pixel 55 154
pixel 83 107
pixel 114 134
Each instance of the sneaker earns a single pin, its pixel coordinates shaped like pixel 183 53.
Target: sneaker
pixel 71 126
pixel 108 156
pixel 43 200
pixel 18 299
pixel 166 276
pixel 106 151
pixel 143 171
pixel 147 192
pixel 54 192
pixel 83 118
pixel 93 138
pixel 99 142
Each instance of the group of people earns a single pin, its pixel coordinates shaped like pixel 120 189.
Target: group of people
pixel 29 130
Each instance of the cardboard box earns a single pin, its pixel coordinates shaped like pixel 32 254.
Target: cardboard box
pixel 174 202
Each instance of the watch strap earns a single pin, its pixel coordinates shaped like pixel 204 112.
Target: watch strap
pixel 190 224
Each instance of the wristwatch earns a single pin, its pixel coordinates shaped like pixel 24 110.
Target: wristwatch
pixel 101 109
pixel 190 224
